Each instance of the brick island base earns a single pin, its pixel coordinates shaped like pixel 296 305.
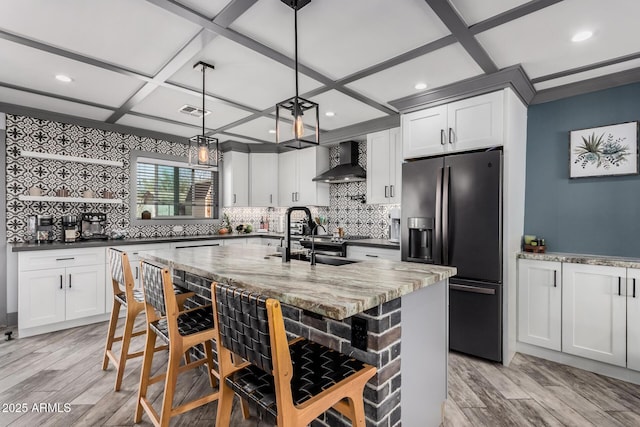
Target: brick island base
pixel 407 341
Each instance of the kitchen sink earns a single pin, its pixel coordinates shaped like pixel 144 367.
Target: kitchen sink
pixel 320 259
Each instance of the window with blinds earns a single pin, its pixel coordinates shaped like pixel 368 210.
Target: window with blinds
pixel 166 190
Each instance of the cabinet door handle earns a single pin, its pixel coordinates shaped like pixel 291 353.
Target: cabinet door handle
pixel 371 256
pixel 555 278
pixel 234 198
pixel 386 191
pixel 634 288
pixel 297 196
pixel 270 198
pixel 69 281
pixel 442 136
pixel 65 259
pixel 451 135
pixel 61 281
pixel 619 285
pixel 292 199
pixel 391 192
pixel 136 273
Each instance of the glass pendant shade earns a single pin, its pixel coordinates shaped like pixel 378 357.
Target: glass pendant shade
pixel 297 122
pixel 206 150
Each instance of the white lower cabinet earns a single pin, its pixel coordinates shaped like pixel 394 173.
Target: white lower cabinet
pixel 367 253
pixel 59 285
pixel 134 262
pixel 594 312
pixel 540 303
pixel 633 318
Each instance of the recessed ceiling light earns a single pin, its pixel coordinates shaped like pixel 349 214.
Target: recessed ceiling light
pixel 272 131
pixel 420 86
pixel 329 114
pixel 63 78
pixel 581 36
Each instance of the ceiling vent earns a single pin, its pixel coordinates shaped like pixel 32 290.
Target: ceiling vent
pixel 193 111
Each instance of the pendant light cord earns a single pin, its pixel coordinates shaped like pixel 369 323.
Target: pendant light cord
pixel 295 31
pixel 203 110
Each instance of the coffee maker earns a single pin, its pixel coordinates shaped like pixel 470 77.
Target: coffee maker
pixel 70 232
pixel 40 228
pixel 394 225
pixel 93 226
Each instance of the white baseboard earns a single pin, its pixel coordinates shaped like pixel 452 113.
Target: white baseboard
pixel 29 332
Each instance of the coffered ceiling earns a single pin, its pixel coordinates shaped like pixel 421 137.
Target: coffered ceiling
pixel 131 62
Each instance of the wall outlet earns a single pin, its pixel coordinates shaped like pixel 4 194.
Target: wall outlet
pixel 359 333
pixel 178 228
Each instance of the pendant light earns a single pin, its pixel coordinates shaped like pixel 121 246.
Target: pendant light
pixel 297 119
pixel 203 144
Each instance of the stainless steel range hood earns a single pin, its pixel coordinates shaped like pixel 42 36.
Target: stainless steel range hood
pixel 348 170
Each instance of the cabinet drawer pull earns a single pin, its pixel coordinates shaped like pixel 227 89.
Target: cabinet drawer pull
pixel 69 281
pixel 619 285
pixel 555 278
pixel 65 259
pixel 451 135
pixel 61 281
pixel 134 253
pixel 371 256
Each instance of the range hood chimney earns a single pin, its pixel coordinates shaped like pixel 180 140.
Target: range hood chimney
pixel 348 170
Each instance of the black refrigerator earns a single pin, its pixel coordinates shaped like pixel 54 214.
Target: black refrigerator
pixel 452 215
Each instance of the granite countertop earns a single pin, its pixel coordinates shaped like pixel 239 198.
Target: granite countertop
pixel 336 292
pixel 20 247
pixel 610 261
pixel 374 243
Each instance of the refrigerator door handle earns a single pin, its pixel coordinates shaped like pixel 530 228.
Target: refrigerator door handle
pixel 437 247
pixel 473 289
pixel 445 216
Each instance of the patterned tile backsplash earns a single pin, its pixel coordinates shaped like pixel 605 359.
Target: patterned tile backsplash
pixel 32 134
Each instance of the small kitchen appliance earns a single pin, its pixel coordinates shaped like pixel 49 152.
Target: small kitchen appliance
pixel 70 232
pixel 394 225
pixel 93 226
pixel 45 230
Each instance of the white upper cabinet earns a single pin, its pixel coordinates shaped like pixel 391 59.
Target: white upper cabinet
pixel 594 312
pixel 263 179
pixel 296 170
pixel 540 303
pixel 633 318
pixel 469 124
pixel 235 179
pixel 384 166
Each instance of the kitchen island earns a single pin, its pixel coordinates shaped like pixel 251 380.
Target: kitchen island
pixel 390 314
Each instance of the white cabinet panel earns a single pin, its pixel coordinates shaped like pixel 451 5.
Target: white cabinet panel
pixel 366 253
pixel 540 303
pixel 633 318
pixel 296 170
pixel 469 124
pixel 384 164
pixel 594 312
pixel 287 178
pixel 85 291
pixel 235 176
pixel 263 173
pixel 236 241
pixel 41 297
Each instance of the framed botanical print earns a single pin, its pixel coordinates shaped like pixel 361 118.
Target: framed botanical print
pixel 604 151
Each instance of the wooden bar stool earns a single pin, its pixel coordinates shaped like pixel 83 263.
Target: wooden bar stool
pixel 291 383
pixel 124 295
pixel 181 330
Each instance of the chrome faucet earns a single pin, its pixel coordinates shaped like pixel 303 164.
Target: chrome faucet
pixel 286 249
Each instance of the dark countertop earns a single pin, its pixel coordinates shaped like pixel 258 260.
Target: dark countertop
pixel 374 243
pixel 21 247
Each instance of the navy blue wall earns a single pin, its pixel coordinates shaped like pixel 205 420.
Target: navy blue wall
pixel 587 215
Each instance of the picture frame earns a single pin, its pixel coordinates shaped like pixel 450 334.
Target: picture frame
pixel 610 150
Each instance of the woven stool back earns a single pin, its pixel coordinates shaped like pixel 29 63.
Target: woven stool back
pixel 244 325
pixel 115 264
pixel 153 287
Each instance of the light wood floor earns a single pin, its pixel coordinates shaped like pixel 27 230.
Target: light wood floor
pixel 64 368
